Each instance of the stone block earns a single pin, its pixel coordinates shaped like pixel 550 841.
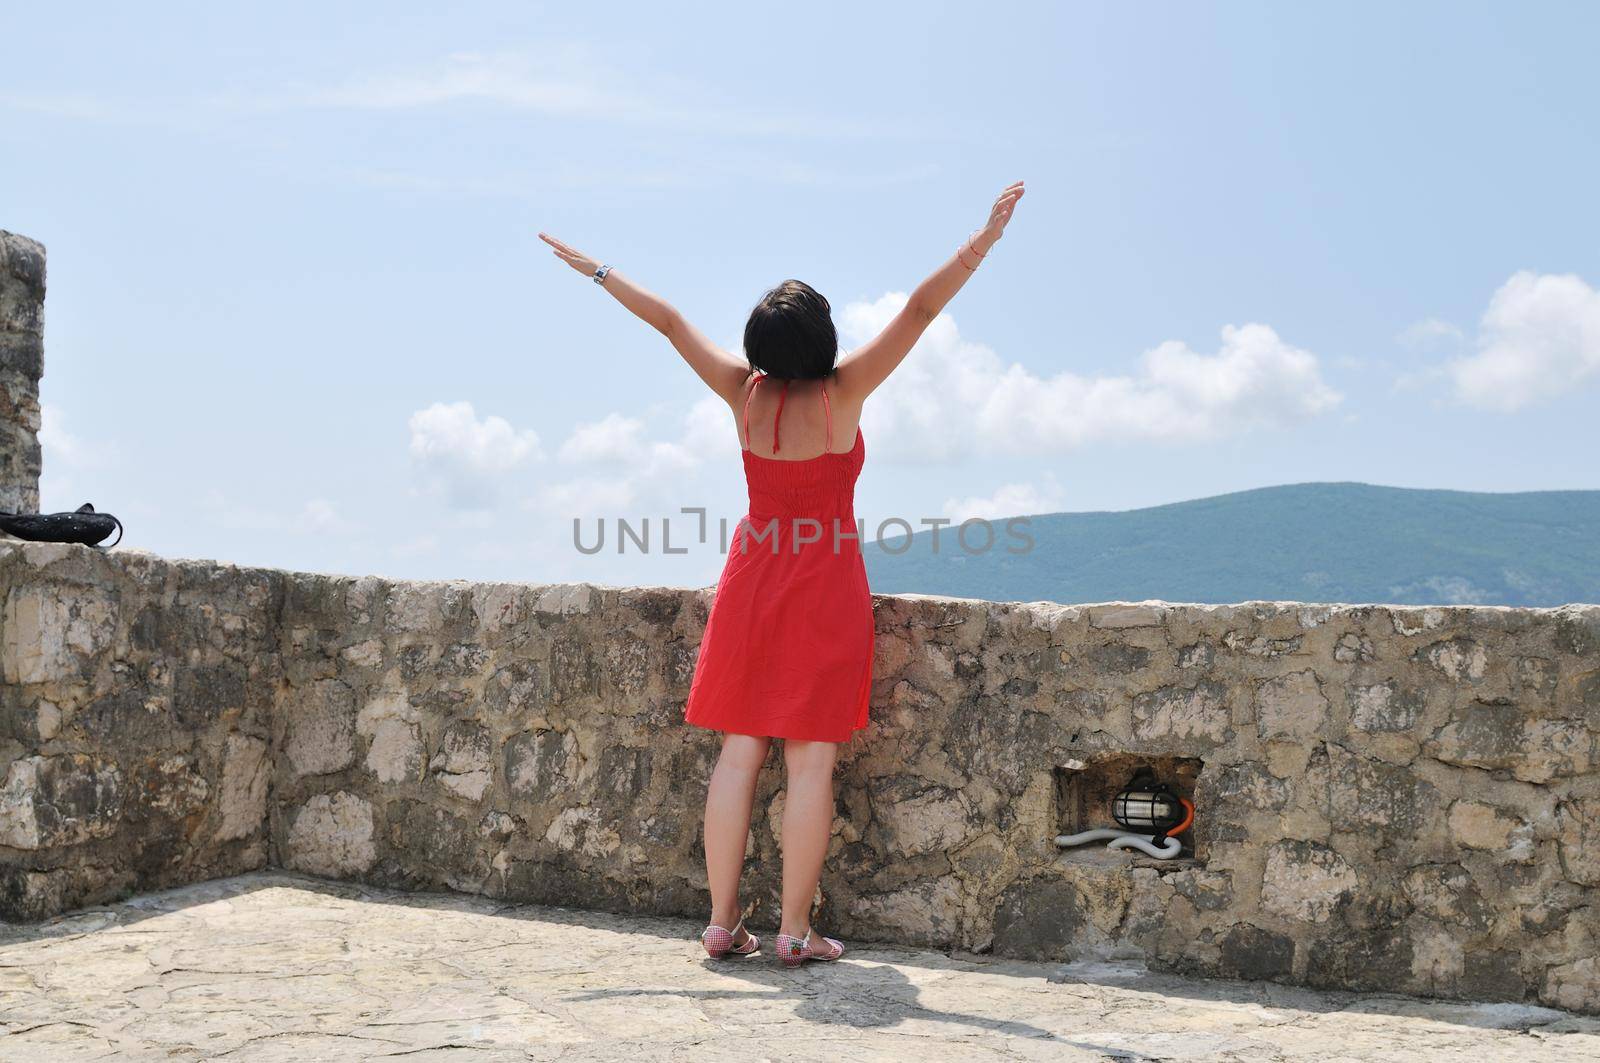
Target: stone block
pixel 22 283
pixel 50 633
pixel 584 830
pixel 1493 974
pixel 1363 959
pixel 417 607
pixel 1365 793
pixel 541 763
pixel 930 911
pixel 332 835
pixel 242 803
pixel 1475 825
pixel 321 729
pixel 443 849
pixel 1575 985
pixel 1305 881
pixel 1196 715
pixel 567 599
pixel 1252 953
pixel 913 818
pixel 21 357
pixel 1578 826
pixel 1039 919
pixel 1501 736
pixel 462 763
pixel 1208 891
pixel 394 743
pixel 1291 706
pixel 1384 707
pixel 1121 617
pixel 52 801
pixel 1448 894
pixel 174 788
pixel 28 895
pixel 574 669
pixel 1460 659
pixel 517 691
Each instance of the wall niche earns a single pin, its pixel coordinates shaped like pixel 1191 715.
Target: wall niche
pixel 1085 785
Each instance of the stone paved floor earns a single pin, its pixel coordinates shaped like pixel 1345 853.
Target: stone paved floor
pixel 278 967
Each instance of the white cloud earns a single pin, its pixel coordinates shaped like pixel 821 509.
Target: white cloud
pixel 587 498
pixel 708 430
pixel 553 83
pixel 1011 500
pixel 317 516
pixel 75 469
pixel 622 466
pixel 59 105
pixel 65 448
pixel 1430 333
pixel 572 81
pixel 54 438
pixel 1539 338
pixel 729 166
pixel 612 439
pixel 564 80
pixel 466 459
pixel 953 395
pixel 618 441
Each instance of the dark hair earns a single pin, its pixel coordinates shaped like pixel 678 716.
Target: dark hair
pixel 790 334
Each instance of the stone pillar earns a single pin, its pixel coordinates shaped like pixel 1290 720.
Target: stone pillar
pixel 21 365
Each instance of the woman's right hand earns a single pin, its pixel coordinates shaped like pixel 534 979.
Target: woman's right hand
pixel 571 255
pixel 999 216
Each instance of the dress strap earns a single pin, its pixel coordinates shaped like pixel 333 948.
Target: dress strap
pixel 827 412
pixel 779 415
pixel 747 397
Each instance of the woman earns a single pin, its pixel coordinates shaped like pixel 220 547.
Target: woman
pixel 787 651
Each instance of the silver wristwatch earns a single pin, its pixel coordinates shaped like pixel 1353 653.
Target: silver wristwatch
pixel 600 274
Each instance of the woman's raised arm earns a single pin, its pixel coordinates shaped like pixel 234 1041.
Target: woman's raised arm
pixel 863 369
pixel 722 372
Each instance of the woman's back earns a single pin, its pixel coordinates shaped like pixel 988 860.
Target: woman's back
pixel 796 420
pixel 817 488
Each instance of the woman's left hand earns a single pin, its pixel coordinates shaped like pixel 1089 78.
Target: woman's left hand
pixel 571 256
pixel 999 216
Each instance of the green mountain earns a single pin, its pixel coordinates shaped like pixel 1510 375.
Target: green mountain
pixel 1320 542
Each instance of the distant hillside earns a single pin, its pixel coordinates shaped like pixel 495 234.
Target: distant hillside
pixel 1322 542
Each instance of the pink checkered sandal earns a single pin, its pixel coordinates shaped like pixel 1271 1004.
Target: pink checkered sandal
pixel 719 941
pixel 795 951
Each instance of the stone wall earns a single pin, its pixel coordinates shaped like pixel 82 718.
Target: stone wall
pixel 135 723
pixel 21 365
pixel 1389 798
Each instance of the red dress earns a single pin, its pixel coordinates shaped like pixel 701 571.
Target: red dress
pixel 787 650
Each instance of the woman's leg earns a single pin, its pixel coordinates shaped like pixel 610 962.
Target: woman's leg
pixel 728 800
pixel 807 825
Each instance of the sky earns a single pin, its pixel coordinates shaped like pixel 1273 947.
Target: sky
pixel 298 315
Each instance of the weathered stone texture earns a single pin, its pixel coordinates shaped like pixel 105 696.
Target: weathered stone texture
pixel 273 966
pixel 1399 799
pixel 135 717
pixel 22 276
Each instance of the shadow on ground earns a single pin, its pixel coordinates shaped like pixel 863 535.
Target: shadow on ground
pixel 1128 976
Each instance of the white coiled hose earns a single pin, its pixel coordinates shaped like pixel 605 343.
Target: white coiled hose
pixel 1123 839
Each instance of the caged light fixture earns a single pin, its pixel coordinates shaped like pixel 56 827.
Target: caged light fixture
pixel 1149 814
